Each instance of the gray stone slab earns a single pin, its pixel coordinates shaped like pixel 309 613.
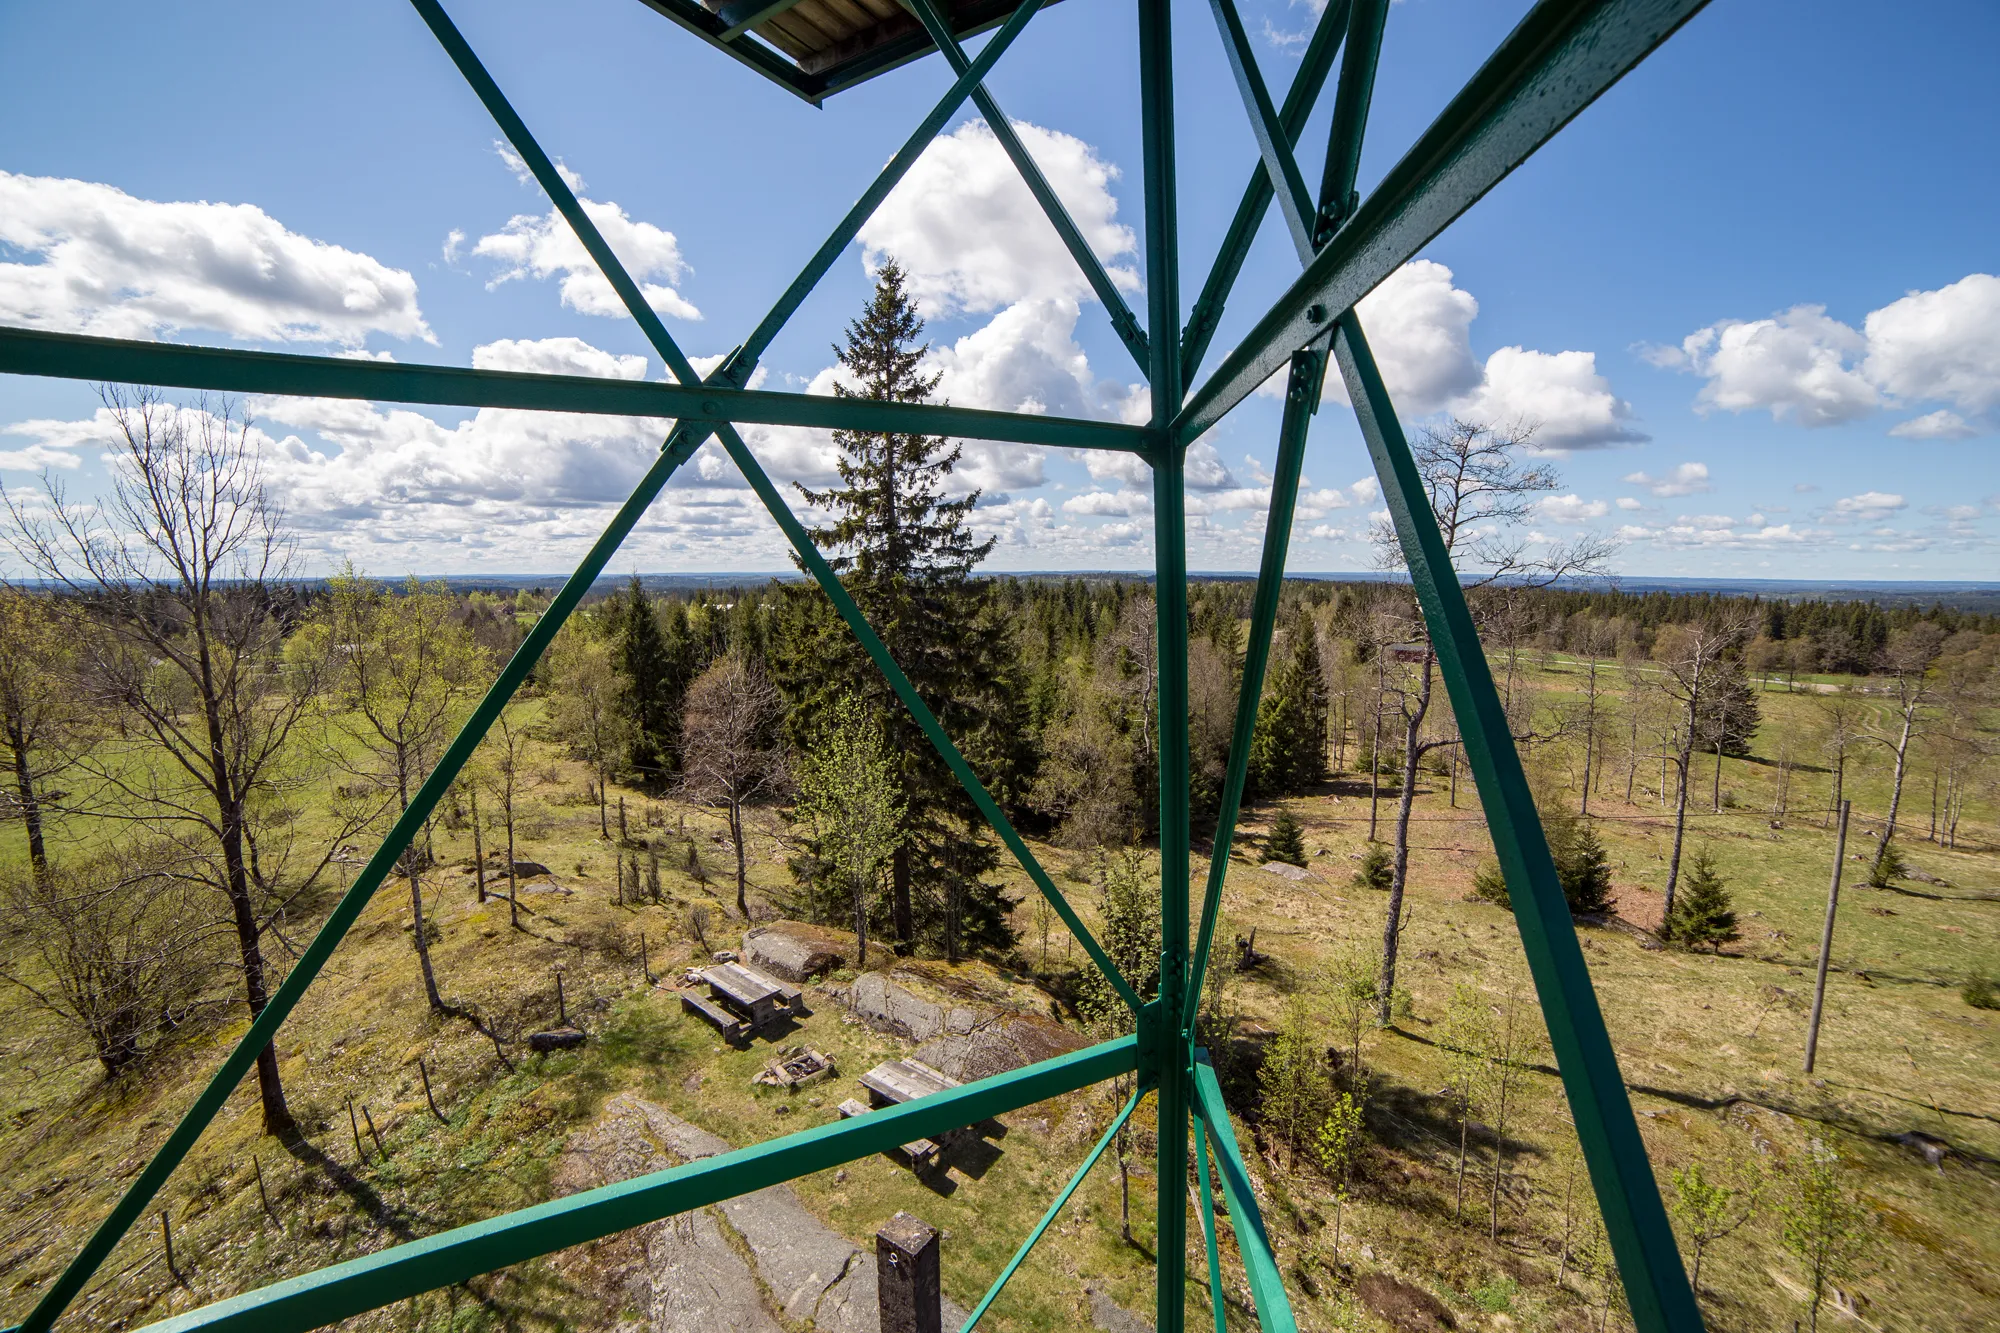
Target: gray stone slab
pixel 700 1283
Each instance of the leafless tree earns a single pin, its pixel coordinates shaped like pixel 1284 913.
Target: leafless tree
pixel 117 959
pixel 1842 715
pixel 1482 491
pixel 731 750
pixel 40 718
pixel 1908 662
pixel 177 576
pixel 1692 674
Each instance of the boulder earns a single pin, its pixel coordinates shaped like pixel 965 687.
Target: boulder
pixel 794 950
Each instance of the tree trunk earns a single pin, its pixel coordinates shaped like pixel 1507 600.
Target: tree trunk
pixel 513 879
pixel 1682 762
pixel 478 848
pixel 31 807
pixel 1895 792
pixel 419 931
pixel 243 911
pixel 1716 800
pixel 902 917
pixel 1589 735
pixel 736 836
pixel 603 800
pixel 1406 802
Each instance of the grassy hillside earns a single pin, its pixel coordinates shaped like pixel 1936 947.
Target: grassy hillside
pixel 1710 1045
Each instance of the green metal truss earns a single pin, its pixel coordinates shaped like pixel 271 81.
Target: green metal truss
pixel 1563 54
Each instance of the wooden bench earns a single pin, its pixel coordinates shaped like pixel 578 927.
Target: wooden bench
pixel 920 1155
pixel 732 1028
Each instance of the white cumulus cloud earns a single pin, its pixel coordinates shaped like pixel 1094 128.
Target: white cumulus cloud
pixel 542 245
pixel 972 238
pixel 110 264
pixel 1867 507
pixel 1802 365
pixel 1571 509
pixel 1682 479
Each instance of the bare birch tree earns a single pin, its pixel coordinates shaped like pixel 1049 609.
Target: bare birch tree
pixel 730 746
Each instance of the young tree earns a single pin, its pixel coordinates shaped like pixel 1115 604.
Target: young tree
pixel 1483 494
pixel 1693 672
pixel 1704 914
pixel 406 670
pixel 1842 714
pixel 584 707
pixel 1709 1211
pixel 39 716
pixel 507 747
pixel 851 809
pixel 1337 1143
pixel 1287 842
pixel 1466 1036
pixel 1825 1225
pixel 1908 662
pixel 180 578
pixel 731 754
pixel 1128 906
pixel 907 555
pixel 1293 1092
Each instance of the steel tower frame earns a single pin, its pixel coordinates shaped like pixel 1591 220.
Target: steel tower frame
pixel 1561 56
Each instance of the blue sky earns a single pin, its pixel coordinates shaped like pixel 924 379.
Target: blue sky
pixel 1717 294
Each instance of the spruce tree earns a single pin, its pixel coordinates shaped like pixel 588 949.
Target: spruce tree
pixel 1128 905
pixel 1377 870
pixel 1703 911
pixel 1584 870
pixel 906 553
pixel 656 670
pixel 1287 842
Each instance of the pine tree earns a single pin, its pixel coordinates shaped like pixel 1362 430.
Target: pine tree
pixel 1128 905
pixel 907 554
pixel 1584 871
pixel 1287 840
pixel 655 668
pixel 1703 913
pixel 1377 871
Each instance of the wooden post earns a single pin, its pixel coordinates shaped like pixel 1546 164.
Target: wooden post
pixel 906 1275
pixel 167 1238
pixel 1826 938
pixel 427 1092
pixel 373 1132
pixel 562 1006
pixel 645 968
pixel 257 1164
pixel 355 1126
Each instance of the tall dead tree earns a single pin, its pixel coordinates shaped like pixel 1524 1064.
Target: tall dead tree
pixel 177 577
pixel 39 716
pixel 1483 493
pixel 1908 662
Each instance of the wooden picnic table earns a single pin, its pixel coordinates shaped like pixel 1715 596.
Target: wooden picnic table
pixel 897 1081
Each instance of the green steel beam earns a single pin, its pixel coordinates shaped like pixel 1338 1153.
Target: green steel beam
pixel 265 1026
pixel 1021 1255
pixel 1273 144
pixel 1260 1263
pixel 76 356
pixel 1314 65
pixel 1350 117
pixel 1122 319
pixel 1634 1220
pixel 316 1299
pixel 740 16
pixel 1302 391
pixel 1216 1303
pixel 1561 57
pixel 1156 114
pixel 760 482
pixel 864 208
pixel 553 185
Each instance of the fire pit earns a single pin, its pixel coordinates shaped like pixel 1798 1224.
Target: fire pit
pixel 795 1067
